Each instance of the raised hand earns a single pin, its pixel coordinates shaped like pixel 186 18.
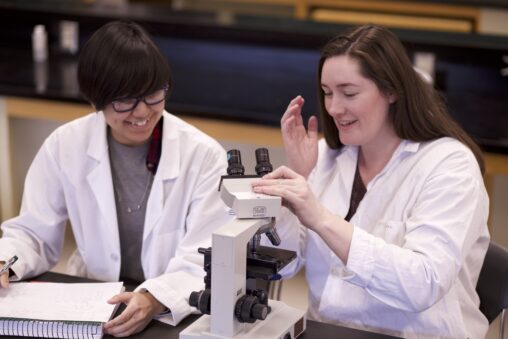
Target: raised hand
pixel 300 144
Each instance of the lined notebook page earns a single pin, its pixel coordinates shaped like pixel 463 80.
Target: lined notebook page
pixel 59 301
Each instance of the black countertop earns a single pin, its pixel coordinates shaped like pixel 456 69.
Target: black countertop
pixel 247 68
pixel 157 329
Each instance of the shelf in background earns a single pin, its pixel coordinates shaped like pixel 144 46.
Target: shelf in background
pixel 246 68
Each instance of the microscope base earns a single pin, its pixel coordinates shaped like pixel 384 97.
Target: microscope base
pixel 283 322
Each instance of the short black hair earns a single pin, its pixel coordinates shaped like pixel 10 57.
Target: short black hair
pixel 121 60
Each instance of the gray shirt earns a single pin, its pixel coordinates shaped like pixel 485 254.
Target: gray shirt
pixel 132 182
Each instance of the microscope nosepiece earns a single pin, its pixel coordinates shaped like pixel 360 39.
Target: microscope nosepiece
pixel 273 236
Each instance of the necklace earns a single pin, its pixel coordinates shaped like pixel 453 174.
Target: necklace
pixel 137 206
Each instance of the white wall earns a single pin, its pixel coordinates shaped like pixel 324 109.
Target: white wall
pixel 494 21
pixel 26 136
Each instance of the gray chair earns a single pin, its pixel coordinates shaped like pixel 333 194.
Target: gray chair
pixel 492 285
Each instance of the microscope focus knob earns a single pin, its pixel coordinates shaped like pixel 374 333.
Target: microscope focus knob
pixel 201 300
pixel 194 298
pixel 248 309
pixel 261 295
pixel 259 311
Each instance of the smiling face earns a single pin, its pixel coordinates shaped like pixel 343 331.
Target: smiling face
pixel 360 111
pixel 135 127
pixel 121 63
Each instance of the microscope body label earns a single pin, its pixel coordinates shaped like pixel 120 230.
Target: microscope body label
pixel 259 211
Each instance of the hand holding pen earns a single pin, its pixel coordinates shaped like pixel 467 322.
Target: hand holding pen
pixel 4 272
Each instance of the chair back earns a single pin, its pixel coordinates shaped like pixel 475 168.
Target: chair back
pixel 492 284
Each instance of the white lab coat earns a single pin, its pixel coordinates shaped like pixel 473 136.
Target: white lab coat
pixel 70 179
pixel 419 240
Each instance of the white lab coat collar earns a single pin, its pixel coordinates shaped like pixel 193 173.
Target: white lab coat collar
pixel 168 169
pixel 405 146
pixel 348 168
pixel 99 178
pixel 101 182
pixel 169 163
pixel 98 146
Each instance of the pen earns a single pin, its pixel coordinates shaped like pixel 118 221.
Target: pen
pixel 8 264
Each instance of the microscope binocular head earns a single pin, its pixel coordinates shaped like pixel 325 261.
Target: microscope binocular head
pixel 236 190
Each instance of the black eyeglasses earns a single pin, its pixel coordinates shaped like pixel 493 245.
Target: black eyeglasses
pixel 125 105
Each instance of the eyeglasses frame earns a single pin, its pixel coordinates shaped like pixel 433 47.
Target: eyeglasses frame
pixel 139 99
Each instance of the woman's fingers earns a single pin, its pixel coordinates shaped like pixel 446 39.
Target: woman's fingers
pixel 282 172
pixel 294 108
pixel 133 325
pixel 4 280
pixel 124 297
pixel 287 126
pixel 298 100
pixel 282 182
pixel 287 193
pixel 312 127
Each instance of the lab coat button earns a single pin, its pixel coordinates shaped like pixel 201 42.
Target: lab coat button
pixel 114 257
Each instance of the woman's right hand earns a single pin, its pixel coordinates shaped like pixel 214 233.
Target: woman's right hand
pixel 296 195
pixel 301 145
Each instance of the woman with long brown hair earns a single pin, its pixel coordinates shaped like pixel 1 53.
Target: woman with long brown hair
pixel 391 204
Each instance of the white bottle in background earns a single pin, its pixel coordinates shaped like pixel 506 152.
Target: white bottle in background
pixel 39 43
pixel 69 36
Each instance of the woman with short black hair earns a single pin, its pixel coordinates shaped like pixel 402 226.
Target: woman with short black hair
pixel 122 61
pixel 138 185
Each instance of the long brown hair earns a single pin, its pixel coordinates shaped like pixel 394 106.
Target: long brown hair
pixel 419 113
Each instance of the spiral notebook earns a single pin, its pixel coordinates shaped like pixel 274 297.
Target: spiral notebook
pixel 56 310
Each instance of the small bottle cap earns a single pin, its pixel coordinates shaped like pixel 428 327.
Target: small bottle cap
pixel 39 30
pixel 39 43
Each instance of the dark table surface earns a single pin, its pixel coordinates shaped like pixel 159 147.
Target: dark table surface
pixel 157 329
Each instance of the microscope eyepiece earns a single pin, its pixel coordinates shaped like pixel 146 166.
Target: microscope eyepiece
pixel 263 165
pixel 235 166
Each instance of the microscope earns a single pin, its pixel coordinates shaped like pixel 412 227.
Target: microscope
pixel 232 305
